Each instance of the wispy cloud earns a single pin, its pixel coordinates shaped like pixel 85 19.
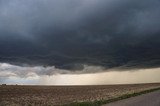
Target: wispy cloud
pixel 39 75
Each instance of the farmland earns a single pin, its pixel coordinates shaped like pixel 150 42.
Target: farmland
pixel 27 95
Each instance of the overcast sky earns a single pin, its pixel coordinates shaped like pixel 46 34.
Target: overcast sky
pixel 46 37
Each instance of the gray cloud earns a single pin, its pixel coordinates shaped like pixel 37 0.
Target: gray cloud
pixel 8 70
pixel 70 34
pixel 11 74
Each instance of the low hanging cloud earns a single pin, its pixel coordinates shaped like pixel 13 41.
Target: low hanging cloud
pixel 38 75
pixel 69 34
pixel 8 70
pixel 11 72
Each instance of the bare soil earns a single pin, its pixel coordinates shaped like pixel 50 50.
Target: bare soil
pixel 18 95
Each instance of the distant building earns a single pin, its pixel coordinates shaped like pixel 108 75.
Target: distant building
pixel 4 84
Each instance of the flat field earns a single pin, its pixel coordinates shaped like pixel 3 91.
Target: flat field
pixel 25 95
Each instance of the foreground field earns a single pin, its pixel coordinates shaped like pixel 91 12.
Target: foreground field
pixel 149 99
pixel 14 95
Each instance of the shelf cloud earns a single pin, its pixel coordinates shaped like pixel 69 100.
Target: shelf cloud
pixel 49 35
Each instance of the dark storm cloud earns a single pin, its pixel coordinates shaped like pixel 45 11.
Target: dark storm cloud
pixel 69 33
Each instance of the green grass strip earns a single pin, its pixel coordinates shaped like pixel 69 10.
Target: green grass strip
pixel 101 102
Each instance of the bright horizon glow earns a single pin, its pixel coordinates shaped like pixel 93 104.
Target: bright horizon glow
pixel 103 78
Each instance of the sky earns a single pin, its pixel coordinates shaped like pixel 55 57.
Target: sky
pixel 70 40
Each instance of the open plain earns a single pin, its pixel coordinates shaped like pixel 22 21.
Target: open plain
pixel 27 95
